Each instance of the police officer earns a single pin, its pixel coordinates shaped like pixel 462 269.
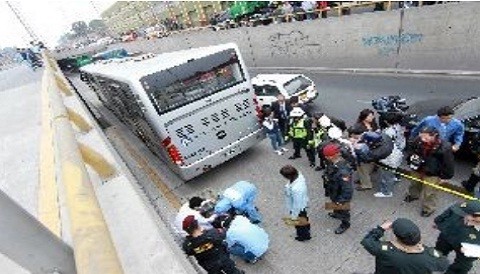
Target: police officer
pixel 405 254
pixel 208 248
pixel 338 176
pixel 459 224
pixel 300 134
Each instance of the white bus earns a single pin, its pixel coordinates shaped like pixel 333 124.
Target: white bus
pixel 194 108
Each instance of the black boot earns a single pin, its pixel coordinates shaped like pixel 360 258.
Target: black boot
pixel 471 183
pixel 342 228
pixel 303 233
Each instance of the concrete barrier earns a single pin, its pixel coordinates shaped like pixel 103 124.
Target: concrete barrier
pixel 111 227
pixel 438 37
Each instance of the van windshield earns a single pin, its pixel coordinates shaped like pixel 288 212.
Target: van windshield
pixel 196 79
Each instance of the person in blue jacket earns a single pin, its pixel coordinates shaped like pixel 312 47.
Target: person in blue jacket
pixel 450 129
pixel 244 239
pixel 296 198
pixel 240 199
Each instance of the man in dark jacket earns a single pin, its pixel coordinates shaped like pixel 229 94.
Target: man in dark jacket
pixel 339 186
pixel 431 160
pixel 459 224
pixel 208 248
pixel 281 111
pixel 405 254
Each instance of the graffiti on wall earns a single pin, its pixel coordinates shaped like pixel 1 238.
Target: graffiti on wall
pixel 293 43
pixel 388 44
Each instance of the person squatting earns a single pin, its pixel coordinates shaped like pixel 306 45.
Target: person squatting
pixel 232 224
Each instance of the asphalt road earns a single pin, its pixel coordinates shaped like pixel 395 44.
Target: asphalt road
pixel 340 95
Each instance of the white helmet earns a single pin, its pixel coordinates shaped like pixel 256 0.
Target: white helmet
pixel 334 133
pixel 324 121
pixel 297 112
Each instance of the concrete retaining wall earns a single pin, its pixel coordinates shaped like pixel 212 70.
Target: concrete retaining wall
pixel 439 37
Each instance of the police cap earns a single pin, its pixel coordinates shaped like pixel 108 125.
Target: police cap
pixel 468 208
pixel 406 231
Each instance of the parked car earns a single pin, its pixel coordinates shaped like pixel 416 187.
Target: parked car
pixel 156 32
pixel 469 113
pixel 268 86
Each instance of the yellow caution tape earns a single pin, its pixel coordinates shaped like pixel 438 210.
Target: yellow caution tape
pixel 438 187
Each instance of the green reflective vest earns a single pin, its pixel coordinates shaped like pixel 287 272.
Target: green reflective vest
pixel 318 136
pixel 298 130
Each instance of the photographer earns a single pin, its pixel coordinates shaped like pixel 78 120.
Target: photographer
pixel 431 160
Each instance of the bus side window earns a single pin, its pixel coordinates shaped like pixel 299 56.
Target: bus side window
pixel 129 100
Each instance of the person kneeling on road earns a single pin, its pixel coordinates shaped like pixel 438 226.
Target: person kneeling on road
pixel 207 246
pixel 192 207
pixel 240 200
pixel 338 175
pixel 405 254
pixel 244 239
pixel 459 225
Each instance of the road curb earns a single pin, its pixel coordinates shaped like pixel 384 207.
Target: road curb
pixel 375 71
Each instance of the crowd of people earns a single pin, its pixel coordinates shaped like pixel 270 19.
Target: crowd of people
pixel 348 156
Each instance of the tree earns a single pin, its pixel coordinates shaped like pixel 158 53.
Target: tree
pixel 97 25
pixel 80 28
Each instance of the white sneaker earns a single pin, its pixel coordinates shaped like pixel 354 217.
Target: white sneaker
pixel 381 195
pixel 283 149
pixel 279 152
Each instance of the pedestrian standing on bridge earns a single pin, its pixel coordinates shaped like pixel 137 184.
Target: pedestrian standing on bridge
pixel 405 254
pixel 459 224
pixel 208 247
pixel 431 160
pixel 296 198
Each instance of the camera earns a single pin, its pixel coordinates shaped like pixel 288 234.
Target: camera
pixel 415 162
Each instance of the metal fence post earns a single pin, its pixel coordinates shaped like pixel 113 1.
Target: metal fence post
pixel 31 245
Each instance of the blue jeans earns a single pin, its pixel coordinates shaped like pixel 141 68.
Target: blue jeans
pixel 387 181
pixel 239 250
pixel 276 140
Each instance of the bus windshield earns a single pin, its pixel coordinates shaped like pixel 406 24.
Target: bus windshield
pixel 196 79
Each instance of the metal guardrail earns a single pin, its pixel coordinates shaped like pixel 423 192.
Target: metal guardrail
pixel 93 248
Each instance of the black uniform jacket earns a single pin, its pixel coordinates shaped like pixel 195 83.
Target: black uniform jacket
pixel 208 248
pixel 391 260
pixel 339 177
pixel 453 229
